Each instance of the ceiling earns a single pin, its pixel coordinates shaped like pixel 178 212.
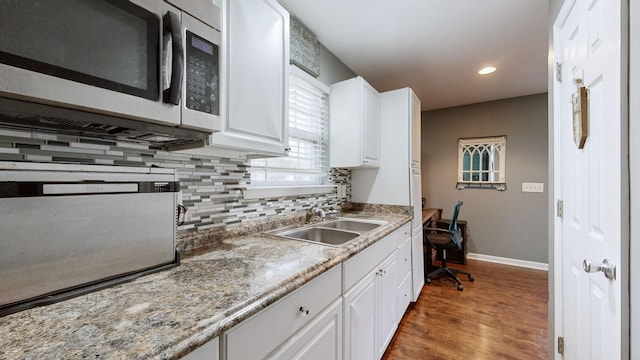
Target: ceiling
pixel 436 47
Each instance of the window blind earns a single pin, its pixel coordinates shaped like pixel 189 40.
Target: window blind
pixel 308 162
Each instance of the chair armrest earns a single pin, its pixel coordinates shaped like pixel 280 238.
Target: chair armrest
pixel 455 235
pixel 440 230
pixel 442 223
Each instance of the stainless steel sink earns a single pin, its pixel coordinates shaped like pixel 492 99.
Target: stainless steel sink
pixel 332 232
pixel 351 225
pixel 322 235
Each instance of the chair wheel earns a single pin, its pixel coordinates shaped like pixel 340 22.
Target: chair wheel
pixel 460 288
pixel 428 281
pixel 471 278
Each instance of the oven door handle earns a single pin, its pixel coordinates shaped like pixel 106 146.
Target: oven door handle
pixel 172 28
pixel 181 210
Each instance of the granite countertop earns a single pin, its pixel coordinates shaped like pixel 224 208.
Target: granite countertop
pixel 170 313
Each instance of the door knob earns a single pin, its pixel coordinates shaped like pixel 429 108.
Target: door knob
pixel 607 267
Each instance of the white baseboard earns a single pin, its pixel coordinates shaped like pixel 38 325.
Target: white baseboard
pixel 508 261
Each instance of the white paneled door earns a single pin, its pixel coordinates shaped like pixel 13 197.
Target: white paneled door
pixel 591 182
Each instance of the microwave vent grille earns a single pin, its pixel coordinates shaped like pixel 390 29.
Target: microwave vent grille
pixel 28 116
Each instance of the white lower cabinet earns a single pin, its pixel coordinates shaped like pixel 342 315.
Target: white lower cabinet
pixel 360 319
pixel 371 305
pixel 209 351
pixel 404 295
pixel 418 262
pixel 351 311
pixel 387 297
pixel 262 335
pixel 321 339
pixel 404 271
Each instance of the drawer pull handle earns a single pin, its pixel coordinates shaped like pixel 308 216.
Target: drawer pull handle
pixel 304 310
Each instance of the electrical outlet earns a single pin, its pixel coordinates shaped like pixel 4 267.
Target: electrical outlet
pixel 532 187
pixel 342 191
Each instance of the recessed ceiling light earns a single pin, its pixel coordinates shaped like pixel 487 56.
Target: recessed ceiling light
pixel 487 70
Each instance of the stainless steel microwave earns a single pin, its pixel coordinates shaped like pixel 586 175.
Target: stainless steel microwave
pixel 149 61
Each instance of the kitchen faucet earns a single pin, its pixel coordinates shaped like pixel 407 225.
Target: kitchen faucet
pixel 320 213
pixel 317 212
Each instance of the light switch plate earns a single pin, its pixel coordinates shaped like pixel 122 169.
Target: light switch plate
pixel 532 187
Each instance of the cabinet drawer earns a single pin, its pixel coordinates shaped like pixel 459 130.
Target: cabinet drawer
pixel 403 233
pixel 404 256
pixel 320 339
pixel 269 328
pixel 404 295
pixel 361 264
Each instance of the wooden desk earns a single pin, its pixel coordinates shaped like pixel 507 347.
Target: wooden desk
pixel 429 215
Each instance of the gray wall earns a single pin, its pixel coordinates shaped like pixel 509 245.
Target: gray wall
pixel 332 70
pixel 509 224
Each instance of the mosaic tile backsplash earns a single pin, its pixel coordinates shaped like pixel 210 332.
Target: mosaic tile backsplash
pixel 211 187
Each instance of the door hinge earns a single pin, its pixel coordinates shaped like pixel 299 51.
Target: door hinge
pixel 559 209
pixel 560 345
pixel 559 72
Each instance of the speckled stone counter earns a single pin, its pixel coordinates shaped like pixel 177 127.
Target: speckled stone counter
pixel 168 314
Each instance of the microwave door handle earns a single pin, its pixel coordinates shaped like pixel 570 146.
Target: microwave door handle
pixel 172 28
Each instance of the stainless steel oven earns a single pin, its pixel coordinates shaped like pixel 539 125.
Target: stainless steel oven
pixel 69 229
pixel 144 60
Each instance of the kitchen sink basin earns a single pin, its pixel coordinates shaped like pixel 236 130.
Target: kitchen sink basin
pixel 323 235
pixel 333 232
pixel 352 225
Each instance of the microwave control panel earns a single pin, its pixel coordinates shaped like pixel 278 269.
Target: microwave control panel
pixel 202 92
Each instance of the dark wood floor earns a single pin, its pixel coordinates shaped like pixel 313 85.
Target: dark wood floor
pixel 502 315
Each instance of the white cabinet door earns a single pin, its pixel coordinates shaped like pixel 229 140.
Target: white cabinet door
pixel 371 123
pixel 405 292
pixel 387 297
pixel 399 153
pixel 208 351
pixel 320 340
pixel 404 295
pixel 354 124
pixel 370 311
pixel 417 263
pixel 360 319
pixel 416 131
pixel 254 77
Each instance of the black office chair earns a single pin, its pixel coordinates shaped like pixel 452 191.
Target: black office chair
pixel 444 235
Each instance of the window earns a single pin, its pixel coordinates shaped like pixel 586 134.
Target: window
pixel 481 162
pixel 307 163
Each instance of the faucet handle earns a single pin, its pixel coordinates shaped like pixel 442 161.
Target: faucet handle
pixel 315 211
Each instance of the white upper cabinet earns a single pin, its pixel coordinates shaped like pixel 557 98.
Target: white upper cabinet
pixel 416 130
pixel 355 124
pixel 254 79
pixel 399 153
